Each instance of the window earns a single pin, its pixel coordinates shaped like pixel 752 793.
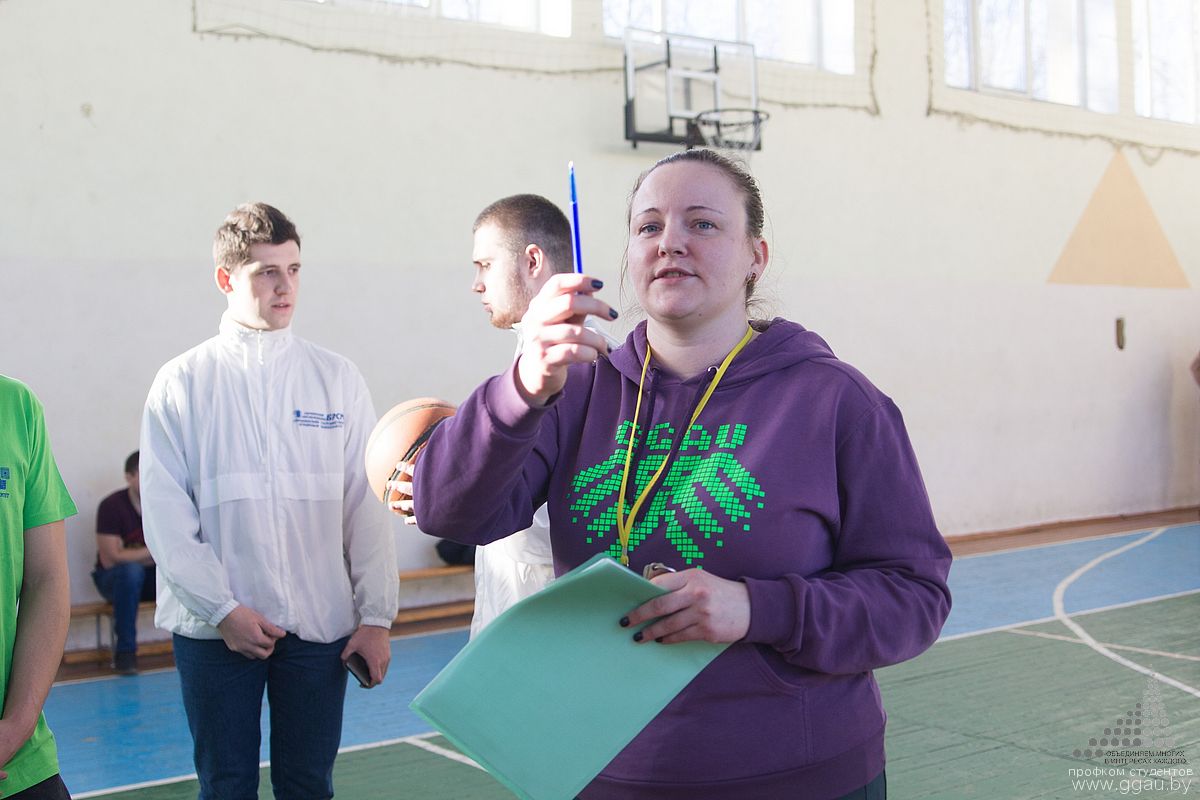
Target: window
pixel 1165 73
pixel 1062 51
pixel 551 17
pixel 819 33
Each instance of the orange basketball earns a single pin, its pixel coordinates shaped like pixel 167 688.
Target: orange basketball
pixel 399 436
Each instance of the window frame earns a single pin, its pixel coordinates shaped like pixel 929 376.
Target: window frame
pixel 433 9
pixel 1147 65
pixel 1013 110
pixel 817 39
pixel 975 61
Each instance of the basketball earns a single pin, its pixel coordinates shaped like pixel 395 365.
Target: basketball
pixel 399 436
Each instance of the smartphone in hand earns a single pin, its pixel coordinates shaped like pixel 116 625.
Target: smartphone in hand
pixel 356 665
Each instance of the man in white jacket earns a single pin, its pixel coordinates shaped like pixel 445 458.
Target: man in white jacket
pixel 274 565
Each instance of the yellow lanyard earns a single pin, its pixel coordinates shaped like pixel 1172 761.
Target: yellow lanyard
pixel 625 523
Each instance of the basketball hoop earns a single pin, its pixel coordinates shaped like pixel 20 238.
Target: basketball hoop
pixel 735 129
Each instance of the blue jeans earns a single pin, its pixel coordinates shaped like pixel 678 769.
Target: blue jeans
pixel 222 695
pixel 125 585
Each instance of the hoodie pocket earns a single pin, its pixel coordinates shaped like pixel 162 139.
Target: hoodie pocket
pixel 735 720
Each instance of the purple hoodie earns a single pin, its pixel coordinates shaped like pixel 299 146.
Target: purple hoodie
pixel 798 479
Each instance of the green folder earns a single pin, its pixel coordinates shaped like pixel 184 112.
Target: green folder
pixel 554 688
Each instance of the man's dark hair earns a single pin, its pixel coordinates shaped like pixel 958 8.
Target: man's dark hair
pixel 529 219
pixel 246 225
pixel 131 463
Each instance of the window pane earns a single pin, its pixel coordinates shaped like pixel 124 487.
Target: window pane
pixel 1100 25
pixel 545 16
pixel 1141 59
pixel 515 13
pixel 622 14
pixel 458 9
pixel 1165 59
pixel 837 36
pixel 782 30
pixel 801 31
pixel 1002 44
pixel 711 19
pixel 1172 60
pixel 555 17
pixel 956 42
pixel 1054 44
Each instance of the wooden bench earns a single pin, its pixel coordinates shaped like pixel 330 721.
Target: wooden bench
pixel 421 617
pixel 102 610
pixel 443 571
pixel 457 612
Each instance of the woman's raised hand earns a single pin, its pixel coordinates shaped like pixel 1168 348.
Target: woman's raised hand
pixel 555 336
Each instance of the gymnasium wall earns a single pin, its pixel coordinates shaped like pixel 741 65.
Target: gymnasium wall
pixel 922 247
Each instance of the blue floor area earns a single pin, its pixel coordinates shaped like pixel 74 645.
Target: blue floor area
pixel 1007 588
pixel 118 731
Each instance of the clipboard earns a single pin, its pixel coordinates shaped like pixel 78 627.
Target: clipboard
pixel 554 688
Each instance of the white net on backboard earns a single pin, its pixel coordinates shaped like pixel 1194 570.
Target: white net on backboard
pixel 735 130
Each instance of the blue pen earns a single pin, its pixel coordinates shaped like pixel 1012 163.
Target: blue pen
pixel 575 219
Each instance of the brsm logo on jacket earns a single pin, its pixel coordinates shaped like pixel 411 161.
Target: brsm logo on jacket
pixel 705 497
pixel 326 420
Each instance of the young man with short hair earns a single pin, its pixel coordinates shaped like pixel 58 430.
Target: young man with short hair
pixel 275 565
pixel 35 595
pixel 519 242
pixel 124 571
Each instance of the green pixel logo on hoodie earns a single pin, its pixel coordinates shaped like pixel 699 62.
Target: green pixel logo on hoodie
pixel 705 496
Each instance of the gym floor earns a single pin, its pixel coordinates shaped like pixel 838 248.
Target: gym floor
pixel 997 708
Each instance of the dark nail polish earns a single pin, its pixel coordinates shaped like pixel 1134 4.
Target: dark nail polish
pixel 637 637
pixel 597 284
pixel 612 313
pixel 624 622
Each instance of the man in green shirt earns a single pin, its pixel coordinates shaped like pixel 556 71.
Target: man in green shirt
pixel 33 572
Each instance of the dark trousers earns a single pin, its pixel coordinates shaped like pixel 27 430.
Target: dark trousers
pixel 875 790
pixel 305 684
pixel 52 788
pixel 125 585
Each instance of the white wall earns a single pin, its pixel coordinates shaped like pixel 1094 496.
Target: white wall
pixel 919 247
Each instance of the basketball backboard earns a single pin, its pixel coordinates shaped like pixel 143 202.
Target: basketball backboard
pixel 670 79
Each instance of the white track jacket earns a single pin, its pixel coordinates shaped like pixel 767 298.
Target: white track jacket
pixel 253 489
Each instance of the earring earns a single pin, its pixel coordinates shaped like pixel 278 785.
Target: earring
pixel 751 278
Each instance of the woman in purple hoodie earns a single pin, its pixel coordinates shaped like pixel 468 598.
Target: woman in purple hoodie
pixel 775 479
